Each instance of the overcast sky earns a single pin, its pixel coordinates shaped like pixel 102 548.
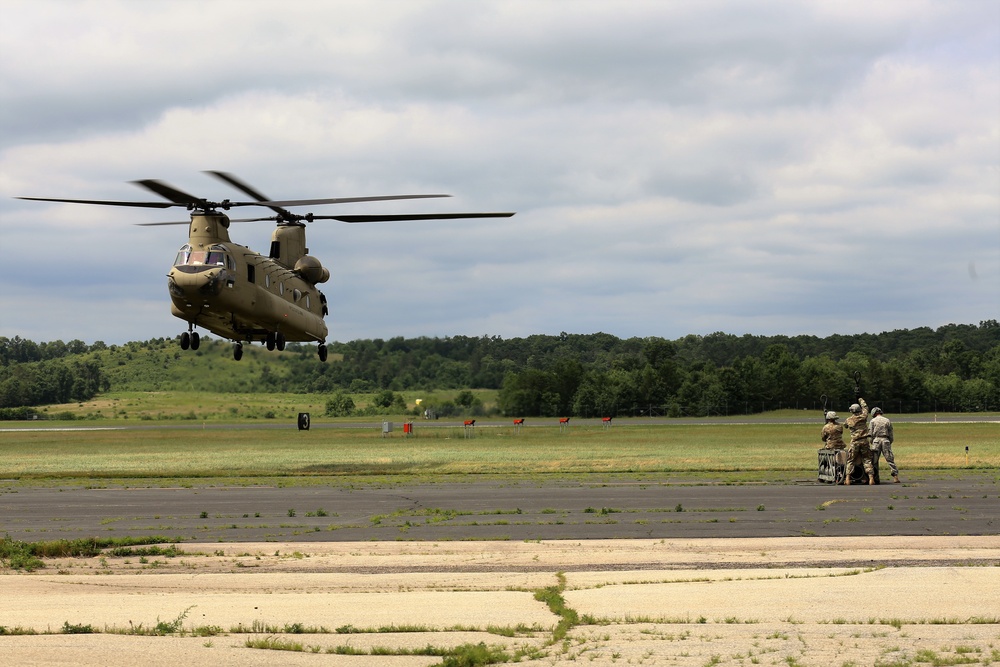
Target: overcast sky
pixel 676 167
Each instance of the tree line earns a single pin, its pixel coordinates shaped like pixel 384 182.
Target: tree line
pixel 953 368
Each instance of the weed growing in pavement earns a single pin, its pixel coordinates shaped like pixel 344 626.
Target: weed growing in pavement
pixel 467 655
pixel 272 643
pixel 475 654
pixel 552 596
pixel 77 628
pixel 28 556
pixel 171 627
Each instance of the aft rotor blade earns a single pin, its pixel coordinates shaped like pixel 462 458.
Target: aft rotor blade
pixel 403 217
pixel 103 202
pixel 342 200
pixel 400 217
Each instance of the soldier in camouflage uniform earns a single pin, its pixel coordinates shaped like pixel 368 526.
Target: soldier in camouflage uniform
pixel 833 438
pixel 880 429
pixel 860 447
pixel 833 433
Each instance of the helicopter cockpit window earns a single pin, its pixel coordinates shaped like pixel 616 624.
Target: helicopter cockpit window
pixel 183 255
pixel 215 256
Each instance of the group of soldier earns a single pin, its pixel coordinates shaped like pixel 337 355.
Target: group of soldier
pixel 869 440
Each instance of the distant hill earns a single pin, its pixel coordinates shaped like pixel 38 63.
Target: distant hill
pixel 955 367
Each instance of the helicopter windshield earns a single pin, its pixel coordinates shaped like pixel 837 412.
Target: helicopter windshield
pixel 214 256
pixel 183 255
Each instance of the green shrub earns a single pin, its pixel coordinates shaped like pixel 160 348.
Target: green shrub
pixel 18 555
pixel 340 405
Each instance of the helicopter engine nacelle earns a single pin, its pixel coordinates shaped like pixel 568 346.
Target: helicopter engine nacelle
pixel 312 270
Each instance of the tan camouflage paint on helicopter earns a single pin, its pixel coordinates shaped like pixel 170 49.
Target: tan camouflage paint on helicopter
pixel 239 294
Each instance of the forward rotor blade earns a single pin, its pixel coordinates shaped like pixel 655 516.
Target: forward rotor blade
pixel 276 205
pixel 272 218
pixel 102 202
pixel 238 184
pixel 181 198
pixel 247 189
pixel 170 192
pixel 403 217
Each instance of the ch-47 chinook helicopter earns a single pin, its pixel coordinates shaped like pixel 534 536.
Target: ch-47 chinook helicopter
pixel 239 294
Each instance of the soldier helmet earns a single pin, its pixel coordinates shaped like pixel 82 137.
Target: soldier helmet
pixel 855 408
pixel 831 416
pixel 876 411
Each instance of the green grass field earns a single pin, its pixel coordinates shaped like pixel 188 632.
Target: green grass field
pixel 159 452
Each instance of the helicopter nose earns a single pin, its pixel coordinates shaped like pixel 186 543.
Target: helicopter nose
pixel 188 284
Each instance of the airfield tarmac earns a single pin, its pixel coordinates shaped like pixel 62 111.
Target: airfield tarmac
pixel 658 571
pixel 583 507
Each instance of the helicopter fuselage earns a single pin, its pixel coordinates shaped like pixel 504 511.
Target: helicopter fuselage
pixel 242 295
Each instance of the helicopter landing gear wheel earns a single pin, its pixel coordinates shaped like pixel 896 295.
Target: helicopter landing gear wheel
pixel 185 340
pixel 195 340
pixel 322 352
pixel 238 351
pixel 279 341
pixel 269 340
